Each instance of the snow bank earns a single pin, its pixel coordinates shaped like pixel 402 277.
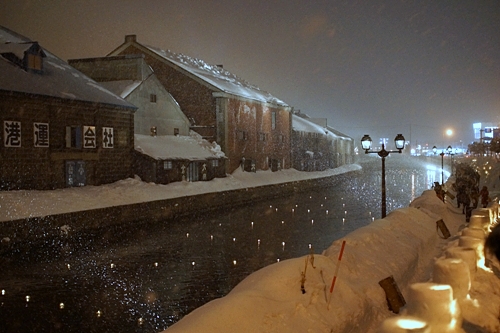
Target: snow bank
pixel 270 300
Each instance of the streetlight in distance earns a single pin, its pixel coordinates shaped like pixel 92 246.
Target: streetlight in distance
pixel 449 149
pixel 434 149
pixel 366 144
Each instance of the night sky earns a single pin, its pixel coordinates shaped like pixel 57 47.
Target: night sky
pixel 379 67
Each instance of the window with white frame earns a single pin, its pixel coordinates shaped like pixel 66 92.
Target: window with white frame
pixel 167 165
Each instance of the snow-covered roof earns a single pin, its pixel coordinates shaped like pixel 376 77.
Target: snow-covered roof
pixel 123 88
pixel 217 77
pixel 58 79
pixel 303 125
pixel 191 147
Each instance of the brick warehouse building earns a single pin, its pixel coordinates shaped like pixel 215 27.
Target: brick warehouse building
pixel 249 124
pixel 59 128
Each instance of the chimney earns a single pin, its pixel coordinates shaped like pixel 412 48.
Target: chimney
pixel 130 38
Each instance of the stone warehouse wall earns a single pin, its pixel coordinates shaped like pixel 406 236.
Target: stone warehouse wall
pixel 29 167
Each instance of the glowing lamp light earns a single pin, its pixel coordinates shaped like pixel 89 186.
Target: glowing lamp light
pixel 99 313
pixel 61 305
pixel 411 323
pixel 399 142
pixel 366 142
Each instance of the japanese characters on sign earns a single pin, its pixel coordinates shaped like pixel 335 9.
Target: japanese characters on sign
pixel 89 137
pixel 12 133
pixel 41 134
pixel 107 137
pixel 41 138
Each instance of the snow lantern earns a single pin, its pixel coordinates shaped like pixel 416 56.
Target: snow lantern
pixel 467 254
pixel 479 221
pixel 434 304
pixel 474 232
pixel 476 244
pixel 403 324
pixel 454 272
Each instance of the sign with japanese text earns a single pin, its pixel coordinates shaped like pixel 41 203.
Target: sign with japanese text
pixel 89 137
pixel 107 137
pixel 75 173
pixel 41 134
pixel 12 133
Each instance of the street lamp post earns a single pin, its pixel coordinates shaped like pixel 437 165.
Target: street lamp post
pixel 366 144
pixel 434 149
pixel 449 149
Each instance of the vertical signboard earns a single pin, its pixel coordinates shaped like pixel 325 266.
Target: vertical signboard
pixel 75 173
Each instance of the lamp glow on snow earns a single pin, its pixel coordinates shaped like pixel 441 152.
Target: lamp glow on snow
pixel 366 144
pixel 404 324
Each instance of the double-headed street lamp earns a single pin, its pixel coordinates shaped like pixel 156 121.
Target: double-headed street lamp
pixel 448 149
pixel 434 150
pixel 366 144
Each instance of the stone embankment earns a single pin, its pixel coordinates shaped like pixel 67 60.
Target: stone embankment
pixel 32 230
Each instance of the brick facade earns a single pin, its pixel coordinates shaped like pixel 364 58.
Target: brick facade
pixel 222 117
pixel 30 167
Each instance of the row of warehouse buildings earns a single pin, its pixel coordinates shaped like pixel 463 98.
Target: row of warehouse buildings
pixel 144 111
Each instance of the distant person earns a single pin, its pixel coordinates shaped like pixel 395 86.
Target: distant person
pixel 463 198
pixel 485 196
pixel 474 196
pixel 439 191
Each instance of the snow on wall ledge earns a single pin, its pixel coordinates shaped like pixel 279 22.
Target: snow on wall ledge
pixel 270 300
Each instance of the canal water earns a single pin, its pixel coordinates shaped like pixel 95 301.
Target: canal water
pixel 144 279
